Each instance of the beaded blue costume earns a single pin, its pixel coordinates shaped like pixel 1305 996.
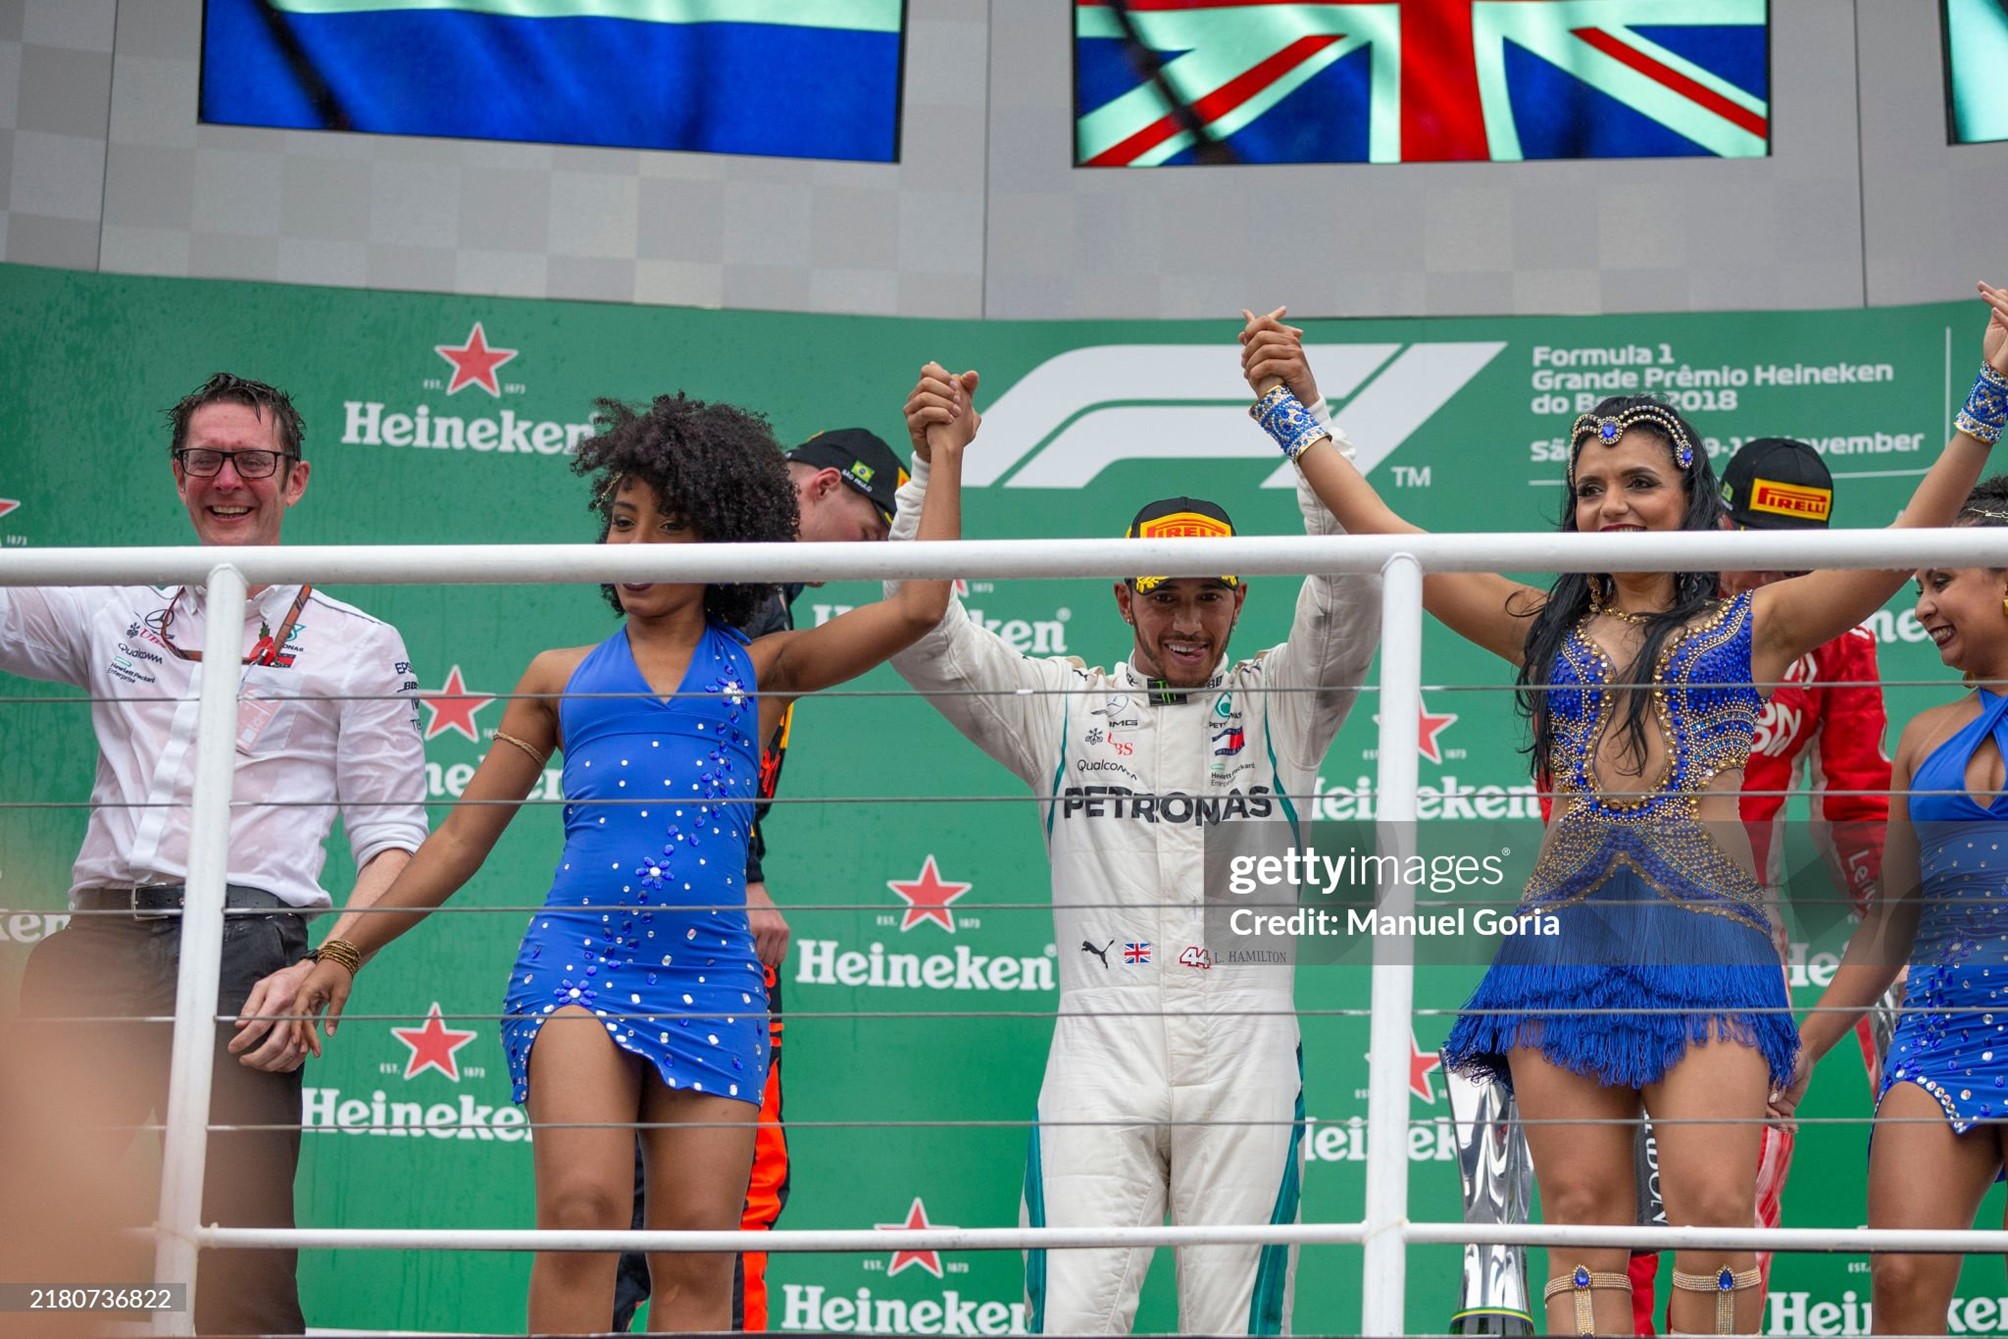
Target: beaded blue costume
pixel 1950 1042
pixel 645 924
pixel 1654 916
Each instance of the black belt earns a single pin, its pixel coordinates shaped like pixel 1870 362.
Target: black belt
pixel 165 899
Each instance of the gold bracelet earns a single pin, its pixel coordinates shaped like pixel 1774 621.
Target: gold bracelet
pixel 524 745
pixel 341 953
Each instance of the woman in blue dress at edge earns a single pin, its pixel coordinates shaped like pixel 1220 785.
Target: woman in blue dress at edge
pixel 637 996
pixel 1638 685
pixel 1938 1136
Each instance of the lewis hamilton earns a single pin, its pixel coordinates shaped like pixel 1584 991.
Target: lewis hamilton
pixel 1174 1082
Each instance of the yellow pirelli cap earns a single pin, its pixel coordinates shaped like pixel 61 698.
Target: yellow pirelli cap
pixel 1180 518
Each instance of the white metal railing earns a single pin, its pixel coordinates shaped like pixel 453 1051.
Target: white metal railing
pixel 1402 559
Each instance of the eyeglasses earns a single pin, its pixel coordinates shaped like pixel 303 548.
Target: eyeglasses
pixel 204 461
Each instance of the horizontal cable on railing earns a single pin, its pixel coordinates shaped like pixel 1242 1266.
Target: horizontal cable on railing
pixel 881 1240
pixel 1015 559
pixel 932 694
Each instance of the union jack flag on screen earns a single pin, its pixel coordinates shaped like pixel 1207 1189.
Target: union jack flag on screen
pixel 1390 81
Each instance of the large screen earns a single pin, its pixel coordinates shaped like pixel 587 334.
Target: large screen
pixel 1161 82
pixel 1976 69
pixel 784 78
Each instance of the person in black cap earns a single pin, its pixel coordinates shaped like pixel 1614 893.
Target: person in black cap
pixel 1825 721
pixel 1827 712
pixel 1173 1083
pixel 845 482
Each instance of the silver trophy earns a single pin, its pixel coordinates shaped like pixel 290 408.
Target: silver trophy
pixel 1884 1015
pixel 1498 1179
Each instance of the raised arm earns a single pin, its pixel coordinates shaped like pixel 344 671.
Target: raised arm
pixel 1332 640
pixel 1482 607
pixel 450 856
pixel 1797 615
pixel 789 664
pixel 1016 713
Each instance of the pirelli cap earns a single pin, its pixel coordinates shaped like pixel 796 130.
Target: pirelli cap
pixel 1775 483
pixel 1178 518
pixel 866 463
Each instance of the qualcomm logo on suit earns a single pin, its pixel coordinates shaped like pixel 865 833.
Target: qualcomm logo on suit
pixel 1058 426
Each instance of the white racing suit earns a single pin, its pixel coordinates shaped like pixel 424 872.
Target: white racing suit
pixel 1175 1078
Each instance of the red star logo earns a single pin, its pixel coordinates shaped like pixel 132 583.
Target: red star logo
pixel 7 504
pixel 474 363
pixel 1421 1064
pixel 928 898
pixel 432 1046
pixel 960 587
pixel 1429 727
pixel 1432 726
pixel 916 1217
pixel 453 707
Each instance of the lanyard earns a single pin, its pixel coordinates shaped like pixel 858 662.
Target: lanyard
pixel 270 647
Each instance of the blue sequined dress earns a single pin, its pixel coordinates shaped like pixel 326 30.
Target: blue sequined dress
pixel 645 924
pixel 1664 941
pixel 1951 1042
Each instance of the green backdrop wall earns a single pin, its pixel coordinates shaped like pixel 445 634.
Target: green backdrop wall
pixel 1463 424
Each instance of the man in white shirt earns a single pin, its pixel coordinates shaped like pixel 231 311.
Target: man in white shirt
pixel 327 718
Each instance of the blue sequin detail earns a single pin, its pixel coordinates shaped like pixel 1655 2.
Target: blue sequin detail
pixel 612 888
pixel 1663 943
pixel 1953 1036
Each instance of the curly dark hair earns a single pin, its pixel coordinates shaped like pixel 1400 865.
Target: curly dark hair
pixel 1569 598
pixel 716 465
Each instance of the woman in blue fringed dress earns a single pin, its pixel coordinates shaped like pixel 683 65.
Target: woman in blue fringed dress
pixel 1942 1108
pixel 636 998
pixel 1662 989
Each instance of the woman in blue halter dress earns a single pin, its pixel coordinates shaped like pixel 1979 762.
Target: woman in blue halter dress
pixel 637 999
pixel 645 924
pixel 1660 987
pixel 1943 921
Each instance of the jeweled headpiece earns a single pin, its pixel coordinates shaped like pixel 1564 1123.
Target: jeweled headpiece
pixel 1610 427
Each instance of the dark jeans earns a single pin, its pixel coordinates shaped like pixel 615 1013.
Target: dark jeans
pixel 122 967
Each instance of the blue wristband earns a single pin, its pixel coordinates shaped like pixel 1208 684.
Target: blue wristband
pixel 1986 411
pixel 1283 416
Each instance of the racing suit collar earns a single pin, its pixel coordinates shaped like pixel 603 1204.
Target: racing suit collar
pixel 1159 693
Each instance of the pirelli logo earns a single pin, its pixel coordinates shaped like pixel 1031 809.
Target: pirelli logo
pixel 1812 504
pixel 1183 525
